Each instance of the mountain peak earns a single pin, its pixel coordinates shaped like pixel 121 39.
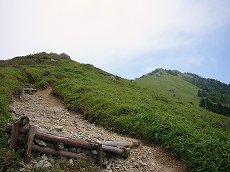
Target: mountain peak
pixel 161 71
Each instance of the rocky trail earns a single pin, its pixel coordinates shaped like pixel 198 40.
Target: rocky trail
pixel 48 113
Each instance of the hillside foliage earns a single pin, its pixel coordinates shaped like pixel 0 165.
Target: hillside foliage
pixel 214 95
pixel 197 136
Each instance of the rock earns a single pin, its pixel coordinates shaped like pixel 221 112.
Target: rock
pixel 43 163
pixel 112 78
pixel 58 128
pixel 94 152
pixel 44 157
pixel 65 55
pixel 59 146
pixel 40 142
pixel 106 162
pixel 12 109
pixel 51 160
pixel 79 150
pixel 72 149
pixel 71 162
pixel 67 114
pixel 87 152
pixel 143 163
pixel 22 169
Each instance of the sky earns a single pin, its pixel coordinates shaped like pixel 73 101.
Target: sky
pixel 128 38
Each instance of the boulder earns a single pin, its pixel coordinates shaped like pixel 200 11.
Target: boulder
pixel 65 55
pixel 112 78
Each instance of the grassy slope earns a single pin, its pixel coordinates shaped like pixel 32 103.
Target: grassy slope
pixel 199 137
pixel 13 78
pixel 173 87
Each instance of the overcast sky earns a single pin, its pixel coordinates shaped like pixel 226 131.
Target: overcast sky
pixel 128 38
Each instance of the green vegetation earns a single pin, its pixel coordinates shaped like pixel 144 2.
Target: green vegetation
pixel 214 90
pixel 214 107
pixel 14 75
pixel 215 95
pixel 171 85
pixel 199 137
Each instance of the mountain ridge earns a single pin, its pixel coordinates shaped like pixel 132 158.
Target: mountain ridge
pixel 214 95
pixel 196 135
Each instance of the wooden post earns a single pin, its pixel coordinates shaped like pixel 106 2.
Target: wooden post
pixel 14 135
pixel 28 149
pixel 99 155
pixel 24 120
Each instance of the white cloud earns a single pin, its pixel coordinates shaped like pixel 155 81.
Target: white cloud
pixel 107 32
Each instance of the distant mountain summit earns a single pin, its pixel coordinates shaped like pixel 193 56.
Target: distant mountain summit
pixel 214 95
pixel 165 71
pixel 33 59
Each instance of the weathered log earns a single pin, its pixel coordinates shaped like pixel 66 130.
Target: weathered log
pixel 117 143
pixel 52 151
pixel 112 149
pixel 28 149
pixel 52 138
pixel 14 135
pixel 76 142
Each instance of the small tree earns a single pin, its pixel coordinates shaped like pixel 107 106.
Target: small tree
pixel 199 94
pixel 202 102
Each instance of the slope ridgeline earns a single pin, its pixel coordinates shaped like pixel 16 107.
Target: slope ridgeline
pixel 199 137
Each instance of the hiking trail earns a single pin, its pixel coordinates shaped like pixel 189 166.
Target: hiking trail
pixel 47 112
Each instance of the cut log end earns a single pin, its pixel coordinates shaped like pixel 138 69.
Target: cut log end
pixel 24 120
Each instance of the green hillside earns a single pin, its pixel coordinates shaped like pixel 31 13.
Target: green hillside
pixel 174 87
pixel 197 136
pixel 187 87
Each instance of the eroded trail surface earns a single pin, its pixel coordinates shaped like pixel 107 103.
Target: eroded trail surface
pixel 48 112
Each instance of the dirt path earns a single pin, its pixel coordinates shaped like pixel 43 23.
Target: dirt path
pixel 48 112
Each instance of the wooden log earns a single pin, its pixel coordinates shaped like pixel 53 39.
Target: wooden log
pixel 28 149
pixel 112 149
pixel 58 139
pixel 14 135
pixel 99 155
pixel 52 151
pixel 24 121
pixel 117 143
pixel 76 142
